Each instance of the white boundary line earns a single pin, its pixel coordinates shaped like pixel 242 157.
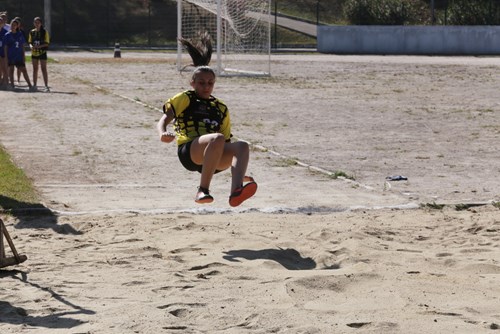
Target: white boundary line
pixel 208 211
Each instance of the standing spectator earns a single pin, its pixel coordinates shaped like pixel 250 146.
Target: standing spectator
pixel 4 77
pixel 21 29
pixel 5 18
pixel 14 44
pixel 39 40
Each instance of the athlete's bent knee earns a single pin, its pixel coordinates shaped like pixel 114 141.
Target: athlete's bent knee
pixel 218 139
pixel 243 147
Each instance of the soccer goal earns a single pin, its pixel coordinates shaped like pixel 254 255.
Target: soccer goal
pixel 240 31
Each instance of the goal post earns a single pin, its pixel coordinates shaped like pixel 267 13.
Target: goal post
pixel 240 31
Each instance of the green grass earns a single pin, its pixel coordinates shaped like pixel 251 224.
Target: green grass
pixel 282 36
pixel 330 12
pixel 433 205
pixel 16 189
pixel 462 207
pixel 286 162
pixel 49 60
pixel 340 173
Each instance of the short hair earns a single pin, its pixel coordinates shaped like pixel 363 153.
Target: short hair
pixel 202 69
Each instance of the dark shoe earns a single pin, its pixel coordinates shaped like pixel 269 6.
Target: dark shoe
pixel 243 193
pixel 203 196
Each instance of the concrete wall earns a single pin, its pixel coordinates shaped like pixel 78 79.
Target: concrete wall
pixel 411 40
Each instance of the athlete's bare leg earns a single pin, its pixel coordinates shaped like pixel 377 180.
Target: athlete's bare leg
pixel 43 65
pixel 207 151
pixel 35 71
pixel 214 153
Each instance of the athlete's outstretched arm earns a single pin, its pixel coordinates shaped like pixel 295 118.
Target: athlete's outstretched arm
pixel 165 120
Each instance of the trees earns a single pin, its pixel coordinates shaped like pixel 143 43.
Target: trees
pixel 414 12
pixel 478 12
pixel 382 12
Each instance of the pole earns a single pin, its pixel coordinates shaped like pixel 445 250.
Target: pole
pixel 149 23
pixel 179 34
pixel 47 15
pixel 446 13
pixel 219 36
pixel 433 15
pixel 108 24
pixel 317 13
pixel 269 37
pixel 64 23
pixel 275 24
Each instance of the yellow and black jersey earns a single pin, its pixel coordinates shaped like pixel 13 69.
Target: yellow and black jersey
pixel 36 38
pixel 195 117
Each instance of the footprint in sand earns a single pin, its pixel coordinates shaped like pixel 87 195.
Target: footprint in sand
pixel 316 288
pixel 181 310
pixel 482 268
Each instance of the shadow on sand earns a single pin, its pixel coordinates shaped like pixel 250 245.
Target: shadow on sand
pixel 19 316
pixel 288 258
pixel 36 216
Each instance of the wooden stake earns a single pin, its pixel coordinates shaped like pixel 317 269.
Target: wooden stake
pixel 8 261
pixel 2 248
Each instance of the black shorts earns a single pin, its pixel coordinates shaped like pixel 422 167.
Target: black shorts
pixel 17 64
pixel 40 57
pixel 184 154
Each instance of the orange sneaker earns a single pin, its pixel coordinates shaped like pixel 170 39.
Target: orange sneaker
pixel 243 193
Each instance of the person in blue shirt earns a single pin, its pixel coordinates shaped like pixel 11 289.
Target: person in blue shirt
pixel 14 48
pixel 4 76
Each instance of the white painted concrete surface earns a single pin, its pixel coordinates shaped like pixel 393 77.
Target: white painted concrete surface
pixel 410 40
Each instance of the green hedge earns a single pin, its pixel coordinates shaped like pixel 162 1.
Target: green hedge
pixel 381 12
pixel 477 12
pixel 415 12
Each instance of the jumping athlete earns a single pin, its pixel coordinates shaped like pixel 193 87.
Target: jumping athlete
pixel 203 132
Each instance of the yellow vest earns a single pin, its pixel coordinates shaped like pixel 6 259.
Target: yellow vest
pixel 195 117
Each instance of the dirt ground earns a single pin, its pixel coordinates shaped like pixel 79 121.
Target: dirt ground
pixel 91 148
pixel 434 120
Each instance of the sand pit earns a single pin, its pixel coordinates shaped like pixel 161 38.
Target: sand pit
pixel 126 250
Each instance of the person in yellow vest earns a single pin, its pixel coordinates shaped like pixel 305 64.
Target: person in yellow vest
pixel 203 134
pixel 39 41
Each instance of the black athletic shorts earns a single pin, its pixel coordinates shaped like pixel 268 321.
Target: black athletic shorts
pixel 43 56
pixel 184 154
pixel 17 64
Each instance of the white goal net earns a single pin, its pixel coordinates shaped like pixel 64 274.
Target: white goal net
pixel 240 31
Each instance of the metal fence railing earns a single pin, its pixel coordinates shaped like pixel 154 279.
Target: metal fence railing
pixel 153 23
pixel 102 22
